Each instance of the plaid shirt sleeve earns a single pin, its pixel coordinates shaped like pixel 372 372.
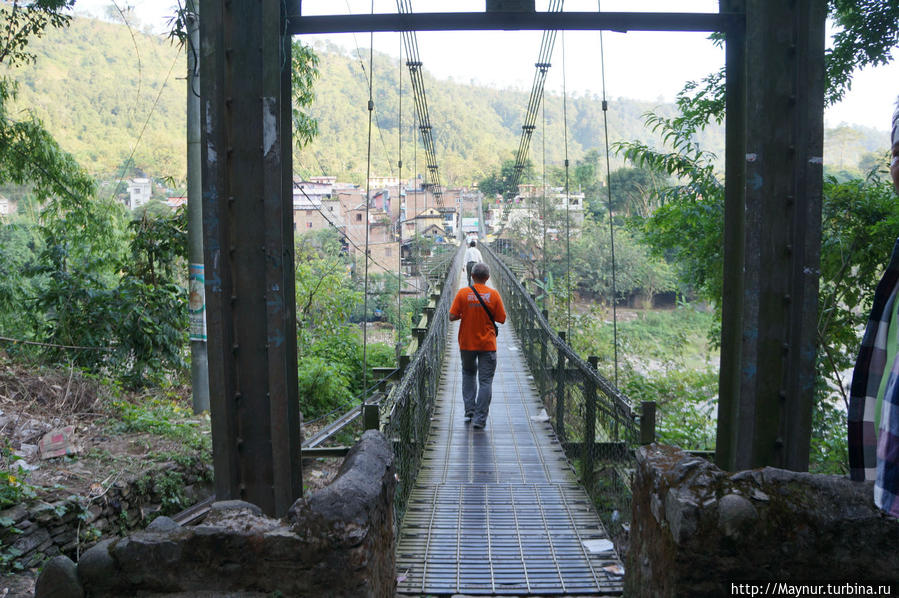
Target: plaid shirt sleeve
pixel 869 460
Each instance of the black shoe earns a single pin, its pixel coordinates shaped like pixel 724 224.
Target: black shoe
pixel 478 425
pixel 468 416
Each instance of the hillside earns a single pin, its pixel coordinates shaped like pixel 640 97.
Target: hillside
pixel 95 87
pixel 95 91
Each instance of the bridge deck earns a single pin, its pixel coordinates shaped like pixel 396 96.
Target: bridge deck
pixel 499 511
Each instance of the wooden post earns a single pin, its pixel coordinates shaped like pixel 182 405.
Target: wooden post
pixel 647 422
pixel 370 417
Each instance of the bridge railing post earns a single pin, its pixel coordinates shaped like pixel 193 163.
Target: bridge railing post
pixel 560 391
pixel 543 373
pixel 647 422
pixel 370 417
pixel 589 423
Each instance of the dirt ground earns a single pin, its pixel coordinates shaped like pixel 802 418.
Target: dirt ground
pixel 35 401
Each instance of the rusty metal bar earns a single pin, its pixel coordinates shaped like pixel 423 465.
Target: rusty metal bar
pixel 783 210
pixel 647 422
pixel 512 21
pixel 734 238
pixel 247 195
pixel 589 422
pixel 560 390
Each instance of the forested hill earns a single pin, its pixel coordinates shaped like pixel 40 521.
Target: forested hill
pixel 475 128
pixel 104 90
pixel 95 86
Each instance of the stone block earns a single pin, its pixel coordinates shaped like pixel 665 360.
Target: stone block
pixel 29 542
pixel 93 512
pixel 162 524
pixel 695 529
pixel 340 544
pixel 96 569
pixel 43 512
pixel 16 513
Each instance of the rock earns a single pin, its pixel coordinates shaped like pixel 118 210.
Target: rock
pixel 59 579
pixel 17 513
pixel 234 505
pixel 681 510
pixel 93 512
pixel 239 551
pixel 358 481
pixel 768 525
pixel 28 542
pixel 735 514
pixel 43 512
pixel 65 537
pixel 96 569
pixel 162 524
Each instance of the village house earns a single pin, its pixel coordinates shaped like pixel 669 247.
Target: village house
pixel 7 208
pixel 139 192
pixel 385 257
pixel 309 206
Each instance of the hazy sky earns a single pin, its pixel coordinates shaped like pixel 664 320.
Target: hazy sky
pixel 648 66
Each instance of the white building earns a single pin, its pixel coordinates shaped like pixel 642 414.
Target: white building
pixel 139 191
pixel 7 207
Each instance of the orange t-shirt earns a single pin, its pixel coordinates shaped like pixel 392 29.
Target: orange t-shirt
pixel 475 330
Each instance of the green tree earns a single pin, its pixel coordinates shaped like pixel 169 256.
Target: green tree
pixel 637 273
pixel 868 31
pixel 305 72
pixel 632 192
pixel 502 181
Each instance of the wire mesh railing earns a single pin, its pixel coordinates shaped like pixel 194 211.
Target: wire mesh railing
pixel 405 415
pixel 593 420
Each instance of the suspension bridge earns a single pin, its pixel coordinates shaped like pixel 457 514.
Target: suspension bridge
pixel 503 511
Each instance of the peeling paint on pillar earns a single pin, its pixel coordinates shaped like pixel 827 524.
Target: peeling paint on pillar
pixel 211 155
pixel 270 126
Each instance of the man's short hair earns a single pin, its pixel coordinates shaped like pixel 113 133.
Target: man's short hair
pixel 480 271
pixel 472 244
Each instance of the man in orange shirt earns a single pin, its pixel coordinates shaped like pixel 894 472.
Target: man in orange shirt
pixel 477 342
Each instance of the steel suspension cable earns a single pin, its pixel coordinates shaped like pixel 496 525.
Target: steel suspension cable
pixel 413 61
pixel 377 120
pixel 415 197
pixel 535 100
pixel 545 214
pixel 536 96
pixel 605 124
pixel 567 200
pixel 371 107
pixel 399 199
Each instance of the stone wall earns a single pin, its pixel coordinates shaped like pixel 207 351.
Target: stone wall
pixel 34 531
pixel 696 530
pixel 337 542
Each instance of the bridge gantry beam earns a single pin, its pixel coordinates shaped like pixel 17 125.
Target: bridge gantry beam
pixel 245 67
pixel 772 249
pixel 775 81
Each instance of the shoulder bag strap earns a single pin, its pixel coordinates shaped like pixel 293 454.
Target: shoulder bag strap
pixel 487 309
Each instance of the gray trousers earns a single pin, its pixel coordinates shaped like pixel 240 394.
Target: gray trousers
pixel 478 368
pixel 468 268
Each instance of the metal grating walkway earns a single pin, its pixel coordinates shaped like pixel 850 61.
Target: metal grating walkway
pixel 499 511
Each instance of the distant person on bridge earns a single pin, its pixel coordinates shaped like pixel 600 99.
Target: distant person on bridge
pixel 874 394
pixel 479 307
pixel 472 257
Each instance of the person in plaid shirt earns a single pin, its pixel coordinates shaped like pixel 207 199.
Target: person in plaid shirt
pixel 874 394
